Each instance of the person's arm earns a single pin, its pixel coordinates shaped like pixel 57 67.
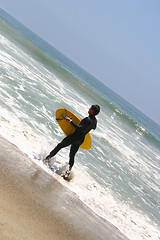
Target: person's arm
pixel 76 126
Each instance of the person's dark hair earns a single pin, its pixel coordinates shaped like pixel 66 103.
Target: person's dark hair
pixel 96 109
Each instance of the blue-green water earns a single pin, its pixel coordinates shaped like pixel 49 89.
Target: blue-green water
pixel 119 177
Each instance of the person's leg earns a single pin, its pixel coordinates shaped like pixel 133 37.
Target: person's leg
pixel 73 150
pixel 65 142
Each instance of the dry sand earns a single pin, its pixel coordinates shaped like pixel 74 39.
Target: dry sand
pixel 35 206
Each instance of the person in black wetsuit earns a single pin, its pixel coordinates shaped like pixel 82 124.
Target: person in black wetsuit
pixel 77 138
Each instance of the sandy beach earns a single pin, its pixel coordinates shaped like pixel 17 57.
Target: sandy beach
pixel 35 206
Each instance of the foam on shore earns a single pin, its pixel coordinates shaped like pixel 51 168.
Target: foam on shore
pixel 34 205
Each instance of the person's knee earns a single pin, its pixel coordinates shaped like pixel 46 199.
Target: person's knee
pixel 60 145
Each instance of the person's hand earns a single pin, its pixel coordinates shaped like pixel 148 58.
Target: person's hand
pixel 67 119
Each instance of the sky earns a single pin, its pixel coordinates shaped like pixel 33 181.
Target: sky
pixel 117 41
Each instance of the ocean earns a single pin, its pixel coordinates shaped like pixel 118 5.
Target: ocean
pixel 119 177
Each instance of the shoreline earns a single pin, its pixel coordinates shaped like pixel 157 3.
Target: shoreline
pixel 34 205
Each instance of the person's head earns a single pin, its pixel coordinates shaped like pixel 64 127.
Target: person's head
pixel 94 110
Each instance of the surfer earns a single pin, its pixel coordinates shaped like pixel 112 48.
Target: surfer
pixel 77 138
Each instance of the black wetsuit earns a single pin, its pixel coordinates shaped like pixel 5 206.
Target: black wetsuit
pixel 77 138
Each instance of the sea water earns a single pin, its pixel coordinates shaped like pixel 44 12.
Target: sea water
pixel 119 177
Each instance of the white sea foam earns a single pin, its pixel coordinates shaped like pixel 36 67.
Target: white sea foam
pixel 110 176
pixel 132 222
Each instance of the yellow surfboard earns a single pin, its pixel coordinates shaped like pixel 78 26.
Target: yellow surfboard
pixel 68 129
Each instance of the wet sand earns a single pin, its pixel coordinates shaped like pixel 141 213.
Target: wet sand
pixel 35 206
